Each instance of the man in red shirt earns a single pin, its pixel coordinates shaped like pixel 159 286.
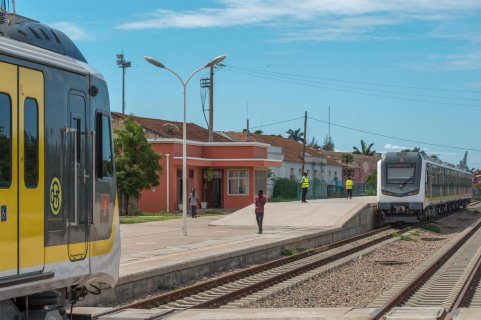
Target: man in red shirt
pixel 259 202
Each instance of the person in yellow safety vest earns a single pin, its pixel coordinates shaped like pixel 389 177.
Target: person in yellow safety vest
pixel 304 186
pixel 349 188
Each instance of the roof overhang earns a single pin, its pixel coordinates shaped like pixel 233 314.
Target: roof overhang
pixel 242 162
pixel 209 144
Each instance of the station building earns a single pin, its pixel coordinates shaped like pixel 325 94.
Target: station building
pixel 225 174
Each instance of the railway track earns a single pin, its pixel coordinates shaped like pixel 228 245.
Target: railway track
pixel 447 280
pixel 220 291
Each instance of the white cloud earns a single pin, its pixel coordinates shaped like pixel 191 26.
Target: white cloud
pixel 476 84
pixel 309 19
pixel 395 147
pixel 74 31
pixel 456 62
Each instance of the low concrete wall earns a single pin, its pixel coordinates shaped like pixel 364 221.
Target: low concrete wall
pixel 134 286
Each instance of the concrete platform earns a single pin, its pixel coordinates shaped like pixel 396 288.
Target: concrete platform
pixel 157 255
pixel 315 213
pixel 468 314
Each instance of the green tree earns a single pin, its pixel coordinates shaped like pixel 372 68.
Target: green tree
pixel 314 144
pixel 347 169
pixel 328 144
pixel 137 164
pixel 364 151
pixel 295 135
pixel 258 132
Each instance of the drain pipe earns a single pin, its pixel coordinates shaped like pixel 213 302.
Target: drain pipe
pixel 167 185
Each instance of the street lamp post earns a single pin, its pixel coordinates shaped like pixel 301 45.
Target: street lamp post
pixel 156 63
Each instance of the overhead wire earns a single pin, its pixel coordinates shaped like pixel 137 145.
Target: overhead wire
pixel 395 138
pixel 329 87
pixel 357 82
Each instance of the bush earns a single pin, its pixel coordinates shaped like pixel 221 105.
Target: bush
pixel 285 189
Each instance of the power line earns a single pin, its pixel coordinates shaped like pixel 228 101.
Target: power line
pixel 361 88
pixel 272 124
pixel 304 83
pixel 351 81
pixel 396 138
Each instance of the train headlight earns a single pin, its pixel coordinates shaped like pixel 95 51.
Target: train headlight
pixel 387 193
pixel 413 193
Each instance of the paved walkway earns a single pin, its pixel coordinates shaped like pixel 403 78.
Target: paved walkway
pixel 154 245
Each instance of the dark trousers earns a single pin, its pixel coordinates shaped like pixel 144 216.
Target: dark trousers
pixel 194 211
pixel 304 193
pixel 349 193
pixel 259 218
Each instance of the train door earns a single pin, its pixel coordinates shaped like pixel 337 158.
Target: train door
pixel 78 178
pixel 31 171
pixel 8 170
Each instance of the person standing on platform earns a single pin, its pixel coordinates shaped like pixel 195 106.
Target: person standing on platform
pixel 304 186
pixel 349 188
pixel 193 201
pixel 260 202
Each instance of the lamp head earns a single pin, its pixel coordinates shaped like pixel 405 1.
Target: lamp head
pixel 215 61
pixel 154 62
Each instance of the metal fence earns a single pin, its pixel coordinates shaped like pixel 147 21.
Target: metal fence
pixel 290 190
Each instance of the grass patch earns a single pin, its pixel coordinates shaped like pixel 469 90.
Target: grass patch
pixel 141 218
pixel 406 237
pixel 291 252
pixel 210 213
pixel 432 228
pixel 396 234
pixel 416 233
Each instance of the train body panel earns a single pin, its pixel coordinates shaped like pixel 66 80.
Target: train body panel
pixel 59 225
pixel 412 188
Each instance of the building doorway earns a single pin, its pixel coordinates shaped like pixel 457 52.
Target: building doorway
pixel 214 191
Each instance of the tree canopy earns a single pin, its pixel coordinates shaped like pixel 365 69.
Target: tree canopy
pixel 328 144
pixel 364 151
pixel 295 135
pixel 137 164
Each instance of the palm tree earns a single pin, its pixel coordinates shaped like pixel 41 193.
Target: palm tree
pixel 364 151
pixel 295 135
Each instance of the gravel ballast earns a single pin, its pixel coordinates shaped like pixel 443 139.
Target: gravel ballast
pixel 359 282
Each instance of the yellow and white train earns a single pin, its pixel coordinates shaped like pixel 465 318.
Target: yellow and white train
pixel 59 226
pixel 412 188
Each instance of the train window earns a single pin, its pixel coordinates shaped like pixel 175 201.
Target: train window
pixel 5 141
pixel 105 167
pixel 400 173
pixel 31 142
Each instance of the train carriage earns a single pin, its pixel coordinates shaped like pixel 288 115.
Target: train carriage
pixel 59 224
pixel 412 188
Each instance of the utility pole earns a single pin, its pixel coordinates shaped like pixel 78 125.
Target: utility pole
pixel 122 63
pixel 304 145
pixel 211 105
pixel 247 130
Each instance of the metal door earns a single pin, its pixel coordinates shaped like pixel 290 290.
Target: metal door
pixel 77 155
pixel 31 171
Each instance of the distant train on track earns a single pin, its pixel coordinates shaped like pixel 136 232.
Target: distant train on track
pixel 412 188
pixel 59 227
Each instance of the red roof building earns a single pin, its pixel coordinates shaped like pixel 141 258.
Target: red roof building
pixel 237 169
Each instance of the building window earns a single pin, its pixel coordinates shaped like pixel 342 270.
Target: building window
pixel 300 172
pixel 315 173
pixel 31 143
pixel 308 173
pixel 238 182
pixel 5 141
pixel 191 174
pixel 105 164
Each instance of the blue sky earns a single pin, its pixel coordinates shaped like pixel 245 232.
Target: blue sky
pixel 402 68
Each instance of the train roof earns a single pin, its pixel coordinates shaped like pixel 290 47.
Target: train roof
pixel 412 156
pixel 69 58
pixel 30 31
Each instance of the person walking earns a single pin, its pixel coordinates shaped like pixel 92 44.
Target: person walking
pixel 193 201
pixel 259 202
pixel 304 186
pixel 349 188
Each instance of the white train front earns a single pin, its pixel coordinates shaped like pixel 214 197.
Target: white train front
pixel 411 188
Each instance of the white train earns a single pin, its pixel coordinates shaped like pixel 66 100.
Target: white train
pixel 411 188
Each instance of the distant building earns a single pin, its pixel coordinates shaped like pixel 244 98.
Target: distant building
pixel 238 169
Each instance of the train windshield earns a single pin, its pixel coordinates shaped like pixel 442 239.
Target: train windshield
pixel 400 173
